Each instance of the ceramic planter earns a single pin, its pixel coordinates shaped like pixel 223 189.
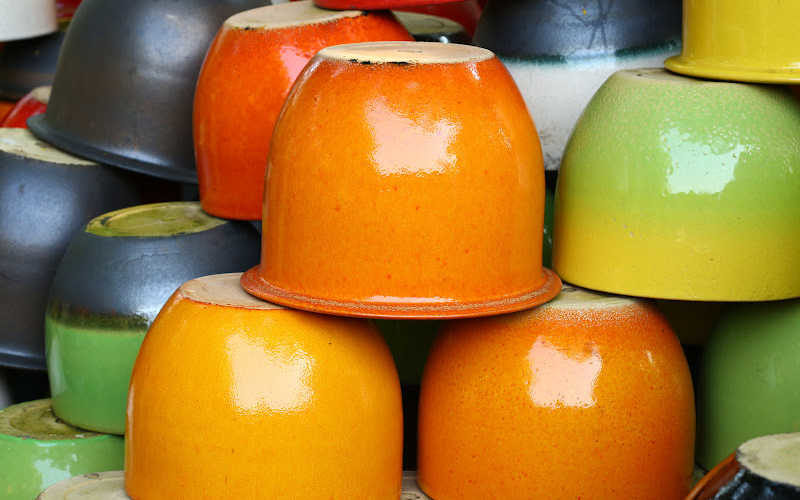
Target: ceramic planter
pixel 402 231
pixel 300 405
pixel 677 188
pixel 740 41
pixel 38 450
pixel 27 64
pixel 747 386
pixel 764 467
pixel 45 196
pixel 560 54
pixel 427 28
pixel 123 89
pixel 587 396
pixel 114 278
pixel 27 19
pixel 34 103
pixel 234 117
pixel 5 108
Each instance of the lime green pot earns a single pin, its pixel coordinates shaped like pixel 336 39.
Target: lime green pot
pixel 677 188
pixel 38 450
pixel 111 283
pixel 749 380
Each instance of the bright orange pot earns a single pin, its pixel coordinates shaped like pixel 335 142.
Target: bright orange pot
pixel 588 396
pixel 34 103
pixel 245 79
pixel 233 397
pixel 405 180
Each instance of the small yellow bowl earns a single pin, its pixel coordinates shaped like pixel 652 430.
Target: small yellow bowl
pixel 740 40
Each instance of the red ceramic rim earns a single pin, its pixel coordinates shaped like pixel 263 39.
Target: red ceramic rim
pixel 715 479
pixel 375 4
pixel 255 285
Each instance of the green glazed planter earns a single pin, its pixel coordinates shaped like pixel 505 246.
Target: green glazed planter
pixel 38 450
pixel 749 381
pixel 677 188
pixel 111 283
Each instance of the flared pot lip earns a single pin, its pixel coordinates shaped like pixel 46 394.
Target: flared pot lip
pixel 255 284
pixel 42 128
pixel 734 71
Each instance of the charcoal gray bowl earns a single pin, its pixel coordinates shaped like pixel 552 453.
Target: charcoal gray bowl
pixel 42 204
pixel 564 28
pixel 127 279
pixel 27 64
pixel 124 86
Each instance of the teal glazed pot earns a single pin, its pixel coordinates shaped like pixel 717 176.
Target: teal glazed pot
pixel 38 450
pixel 113 280
pixel 748 384
pixel 560 53
pixel 684 189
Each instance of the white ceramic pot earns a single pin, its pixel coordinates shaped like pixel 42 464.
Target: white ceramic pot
pixel 27 19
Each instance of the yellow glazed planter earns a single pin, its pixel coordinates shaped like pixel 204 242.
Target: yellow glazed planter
pixel 676 188
pixel 740 40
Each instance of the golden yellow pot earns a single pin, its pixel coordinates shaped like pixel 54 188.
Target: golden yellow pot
pixel 740 40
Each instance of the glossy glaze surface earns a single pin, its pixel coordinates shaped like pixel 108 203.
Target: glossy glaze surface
pixel 38 450
pixel 747 385
pixel 386 220
pixel 246 76
pixel 466 12
pixel 290 389
pixel 587 396
pixel 683 189
pixel 5 108
pixel 740 40
pixel 113 279
pixel 428 28
pixel 34 103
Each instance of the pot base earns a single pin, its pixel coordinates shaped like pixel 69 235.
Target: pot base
pixel 254 284
pixel 688 67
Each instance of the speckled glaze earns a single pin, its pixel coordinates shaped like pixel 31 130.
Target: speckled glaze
pixel 246 76
pixel 747 385
pixel 763 467
pixel 386 220
pixel 560 53
pixel 113 279
pixel 34 103
pixel 587 396
pixel 299 406
pixel 684 189
pixel 740 40
pixel 38 450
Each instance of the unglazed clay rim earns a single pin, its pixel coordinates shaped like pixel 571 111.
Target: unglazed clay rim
pixel 293 14
pixel 254 284
pixel 42 94
pixel 406 53
pixel 751 451
pixel 60 490
pixel 689 67
pixel 223 290
pixel 583 299
pixel 21 142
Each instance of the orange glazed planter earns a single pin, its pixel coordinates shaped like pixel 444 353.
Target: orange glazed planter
pixel 588 396
pixel 233 397
pixel 243 84
pixel 405 180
